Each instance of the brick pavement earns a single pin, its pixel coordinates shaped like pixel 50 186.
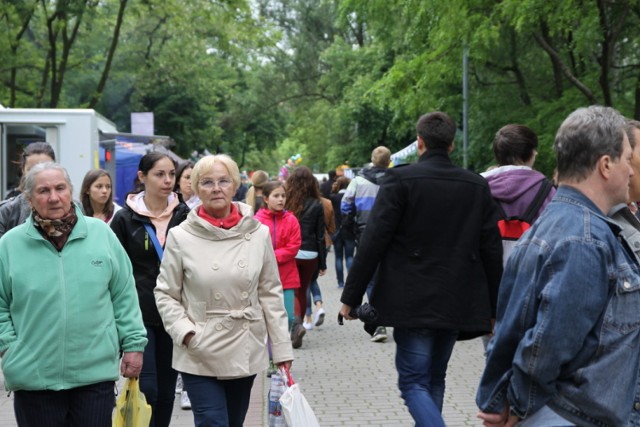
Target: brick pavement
pixel 348 380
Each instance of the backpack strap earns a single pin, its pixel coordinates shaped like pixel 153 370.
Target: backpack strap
pixel 154 239
pixel 536 203
pixel 500 210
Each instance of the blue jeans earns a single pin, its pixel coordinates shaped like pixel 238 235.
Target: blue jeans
pixel 344 249
pixel 218 403
pixel 544 417
pixel 422 356
pixel 158 378
pixel 313 293
pixel 90 405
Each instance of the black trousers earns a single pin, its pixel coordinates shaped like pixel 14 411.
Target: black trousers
pixel 90 405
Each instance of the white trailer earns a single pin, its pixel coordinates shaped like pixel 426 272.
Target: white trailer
pixel 74 134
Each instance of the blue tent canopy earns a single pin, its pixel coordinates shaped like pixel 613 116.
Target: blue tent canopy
pixel 126 170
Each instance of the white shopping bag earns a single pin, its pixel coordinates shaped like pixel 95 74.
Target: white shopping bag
pixel 295 407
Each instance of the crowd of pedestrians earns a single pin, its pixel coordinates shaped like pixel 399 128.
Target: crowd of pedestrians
pixel 199 278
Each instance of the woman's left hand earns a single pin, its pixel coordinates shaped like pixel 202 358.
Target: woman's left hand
pixel 321 273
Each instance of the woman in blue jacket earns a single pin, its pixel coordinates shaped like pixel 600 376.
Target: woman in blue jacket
pixel 142 226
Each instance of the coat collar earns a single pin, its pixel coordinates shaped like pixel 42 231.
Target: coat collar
pixel 202 228
pixel 439 154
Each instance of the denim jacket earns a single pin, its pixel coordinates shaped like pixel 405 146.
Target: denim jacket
pixel 568 329
pixel 631 232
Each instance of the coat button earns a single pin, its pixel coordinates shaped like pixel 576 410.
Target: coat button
pixel 217 295
pixel 245 325
pixel 247 236
pixel 242 263
pixel 636 406
pixel 245 295
pixel 218 327
pixel 215 266
pixel 626 285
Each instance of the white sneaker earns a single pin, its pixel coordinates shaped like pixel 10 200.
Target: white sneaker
pixel 318 318
pixel 308 326
pixel 179 384
pixel 185 402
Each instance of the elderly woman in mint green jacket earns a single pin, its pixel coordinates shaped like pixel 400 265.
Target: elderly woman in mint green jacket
pixel 68 310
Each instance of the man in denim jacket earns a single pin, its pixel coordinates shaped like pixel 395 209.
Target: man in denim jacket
pixel 566 348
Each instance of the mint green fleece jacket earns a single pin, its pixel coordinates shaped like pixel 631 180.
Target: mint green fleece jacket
pixel 66 316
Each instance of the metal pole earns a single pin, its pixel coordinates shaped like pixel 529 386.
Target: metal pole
pixel 465 106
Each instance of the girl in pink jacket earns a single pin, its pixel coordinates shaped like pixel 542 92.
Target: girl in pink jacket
pixel 286 240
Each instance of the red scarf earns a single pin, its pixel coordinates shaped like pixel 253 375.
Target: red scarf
pixel 227 222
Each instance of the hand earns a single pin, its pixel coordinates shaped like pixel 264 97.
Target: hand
pixel 345 310
pixel 285 364
pixel 131 364
pixel 498 420
pixel 322 272
pixel 187 339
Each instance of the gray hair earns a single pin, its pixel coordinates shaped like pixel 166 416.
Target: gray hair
pixel 584 137
pixel 30 178
pixel 632 125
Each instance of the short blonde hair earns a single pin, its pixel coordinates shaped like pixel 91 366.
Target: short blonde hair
pixel 381 156
pixel 205 165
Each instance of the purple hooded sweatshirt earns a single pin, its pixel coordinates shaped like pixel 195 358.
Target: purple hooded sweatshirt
pixel 515 187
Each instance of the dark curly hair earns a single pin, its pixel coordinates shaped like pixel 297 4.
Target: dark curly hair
pixel 301 185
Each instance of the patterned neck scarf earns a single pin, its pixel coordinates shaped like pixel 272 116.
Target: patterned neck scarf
pixel 56 231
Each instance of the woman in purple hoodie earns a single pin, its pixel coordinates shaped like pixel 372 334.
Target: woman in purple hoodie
pixel 514 184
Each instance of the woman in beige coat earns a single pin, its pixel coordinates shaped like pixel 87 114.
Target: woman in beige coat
pixel 220 296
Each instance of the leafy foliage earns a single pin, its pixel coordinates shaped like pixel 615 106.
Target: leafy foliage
pixel 329 79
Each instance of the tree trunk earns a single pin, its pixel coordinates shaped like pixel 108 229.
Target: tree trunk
pixel 112 51
pixel 555 57
pixel 515 68
pixel 611 29
pixel 14 52
pixel 557 71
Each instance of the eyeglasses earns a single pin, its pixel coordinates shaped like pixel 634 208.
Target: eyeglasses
pixel 210 184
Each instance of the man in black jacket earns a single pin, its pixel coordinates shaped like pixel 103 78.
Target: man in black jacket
pixel 433 236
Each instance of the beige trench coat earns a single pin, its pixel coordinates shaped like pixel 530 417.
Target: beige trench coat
pixel 224 286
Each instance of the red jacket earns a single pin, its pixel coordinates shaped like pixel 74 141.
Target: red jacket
pixel 286 240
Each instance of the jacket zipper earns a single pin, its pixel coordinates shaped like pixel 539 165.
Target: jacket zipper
pixel 274 233
pixel 64 311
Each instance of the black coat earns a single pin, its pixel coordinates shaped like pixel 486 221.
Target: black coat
pixel 129 228
pixel 311 221
pixel 433 234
